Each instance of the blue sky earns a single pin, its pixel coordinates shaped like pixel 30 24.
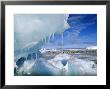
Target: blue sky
pixel 81 33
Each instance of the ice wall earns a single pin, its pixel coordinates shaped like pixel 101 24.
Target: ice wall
pixel 33 30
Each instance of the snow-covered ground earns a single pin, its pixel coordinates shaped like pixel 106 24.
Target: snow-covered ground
pixel 92 48
pixel 43 50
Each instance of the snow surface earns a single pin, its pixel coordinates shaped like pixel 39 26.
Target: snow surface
pixel 92 47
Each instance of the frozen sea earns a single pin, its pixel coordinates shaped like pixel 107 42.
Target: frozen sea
pixel 60 64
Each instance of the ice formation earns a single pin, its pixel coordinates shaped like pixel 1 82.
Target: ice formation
pixel 37 31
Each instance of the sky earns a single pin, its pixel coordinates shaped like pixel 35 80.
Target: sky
pixel 55 30
pixel 81 33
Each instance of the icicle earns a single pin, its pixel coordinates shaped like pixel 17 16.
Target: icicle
pixel 53 35
pixel 45 40
pixel 62 42
pixel 49 37
pixel 62 33
pixel 42 40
